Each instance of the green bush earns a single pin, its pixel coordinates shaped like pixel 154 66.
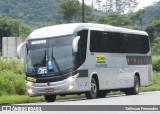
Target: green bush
pixel 156 63
pixel 12 77
pixel 13 65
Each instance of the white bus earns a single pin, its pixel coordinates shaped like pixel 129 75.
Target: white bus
pixel 85 58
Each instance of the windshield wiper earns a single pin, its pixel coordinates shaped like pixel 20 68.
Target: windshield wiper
pixel 55 62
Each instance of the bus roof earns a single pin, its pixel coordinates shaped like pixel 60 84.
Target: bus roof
pixel 67 29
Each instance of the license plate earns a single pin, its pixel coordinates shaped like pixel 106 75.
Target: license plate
pixel 48 90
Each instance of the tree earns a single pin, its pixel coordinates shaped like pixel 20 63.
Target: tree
pixel 153 28
pixel 24 30
pixel 154 33
pixel 12 27
pixel 155 46
pixel 129 5
pixel 155 20
pixel 87 14
pixel 115 18
pixel 122 6
pixel 33 12
pixel 138 17
pixel 70 9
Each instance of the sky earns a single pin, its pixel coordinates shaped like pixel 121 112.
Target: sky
pixel 142 3
pixel 145 3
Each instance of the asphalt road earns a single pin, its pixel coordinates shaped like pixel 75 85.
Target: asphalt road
pixel 146 98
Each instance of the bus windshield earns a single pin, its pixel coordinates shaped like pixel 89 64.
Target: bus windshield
pixel 52 55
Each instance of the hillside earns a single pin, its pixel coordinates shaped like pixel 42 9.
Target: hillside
pixel 151 11
pixel 37 13
pixel 33 12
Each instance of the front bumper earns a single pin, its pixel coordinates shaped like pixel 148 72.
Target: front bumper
pixel 69 85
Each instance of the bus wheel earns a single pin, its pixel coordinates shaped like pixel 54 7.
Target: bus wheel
pixel 135 89
pixel 101 94
pixel 92 94
pixel 50 98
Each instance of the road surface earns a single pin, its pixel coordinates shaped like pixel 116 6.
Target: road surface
pixel 146 98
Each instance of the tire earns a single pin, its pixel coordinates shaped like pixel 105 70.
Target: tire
pixel 92 94
pixel 101 94
pixel 50 98
pixel 135 89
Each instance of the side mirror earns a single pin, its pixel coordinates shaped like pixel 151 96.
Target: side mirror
pixel 75 44
pixel 21 50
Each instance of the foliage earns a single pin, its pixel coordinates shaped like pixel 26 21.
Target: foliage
pixel 156 83
pixel 12 77
pixel 13 99
pixel 24 30
pixel 115 18
pixel 33 12
pixel 150 12
pixel 46 12
pixel 155 20
pixel 138 17
pixel 72 11
pixel 156 46
pixel 122 6
pixel 13 27
pixel 87 13
pixel 156 63
pixel 154 28
pixel 69 9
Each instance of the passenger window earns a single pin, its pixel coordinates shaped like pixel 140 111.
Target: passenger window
pixel 96 41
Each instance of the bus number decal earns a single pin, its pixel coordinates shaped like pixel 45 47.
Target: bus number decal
pixel 42 71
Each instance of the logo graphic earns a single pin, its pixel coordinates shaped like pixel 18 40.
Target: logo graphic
pixel 100 59
pixel 6 108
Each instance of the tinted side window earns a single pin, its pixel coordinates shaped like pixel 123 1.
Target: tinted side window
pixel 96 42
pixel 107 42
pixel 144 44
pixel 137 44
pixel 112 42
pixel 115 42
pixel 116 47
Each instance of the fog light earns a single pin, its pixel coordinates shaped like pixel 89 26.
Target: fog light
pixel 70 87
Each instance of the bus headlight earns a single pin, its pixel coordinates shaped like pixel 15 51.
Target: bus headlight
pixel 29 83
pixel 71 78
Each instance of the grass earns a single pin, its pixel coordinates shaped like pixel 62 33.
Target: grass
pixel 156 83
pixel 12 99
